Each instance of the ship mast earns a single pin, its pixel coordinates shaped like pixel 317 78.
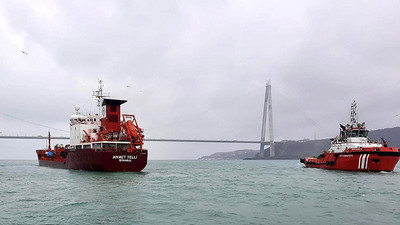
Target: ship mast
pixel 353 113
pixel 100 96
pixel 49 141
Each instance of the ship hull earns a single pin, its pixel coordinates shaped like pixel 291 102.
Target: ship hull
pixel 373 161
pixel 88 159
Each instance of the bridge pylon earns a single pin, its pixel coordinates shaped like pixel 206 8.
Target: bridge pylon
pixel 267 110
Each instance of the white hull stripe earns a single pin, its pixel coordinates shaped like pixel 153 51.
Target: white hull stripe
pixel 366 162
pixel 363 161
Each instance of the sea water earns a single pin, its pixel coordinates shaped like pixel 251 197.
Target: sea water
pixel 198 192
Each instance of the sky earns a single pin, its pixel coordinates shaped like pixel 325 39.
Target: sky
pixel 198 69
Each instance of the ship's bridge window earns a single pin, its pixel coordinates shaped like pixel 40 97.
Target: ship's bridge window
pixel 354 133
pixel 363 133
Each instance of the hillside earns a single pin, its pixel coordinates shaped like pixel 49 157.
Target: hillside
pixel 235 155
pixel 303 148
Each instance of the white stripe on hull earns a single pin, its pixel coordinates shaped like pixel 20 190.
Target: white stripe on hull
pixel 359 160
pixel 363 161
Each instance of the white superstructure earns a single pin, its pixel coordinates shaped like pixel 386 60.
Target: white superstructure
pixel 83 128
pixel 354 135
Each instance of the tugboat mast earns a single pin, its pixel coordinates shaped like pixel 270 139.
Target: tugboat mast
pixel 353 113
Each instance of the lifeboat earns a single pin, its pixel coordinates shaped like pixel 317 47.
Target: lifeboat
pixel 352 150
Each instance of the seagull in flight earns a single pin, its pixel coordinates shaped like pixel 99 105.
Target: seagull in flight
pixel 24 53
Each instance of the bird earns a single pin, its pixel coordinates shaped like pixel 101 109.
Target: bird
pixel 24 53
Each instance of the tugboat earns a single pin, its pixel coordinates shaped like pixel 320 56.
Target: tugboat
pixel 352 150
pixel 106 142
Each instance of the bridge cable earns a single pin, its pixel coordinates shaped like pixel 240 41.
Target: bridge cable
pixel 33 123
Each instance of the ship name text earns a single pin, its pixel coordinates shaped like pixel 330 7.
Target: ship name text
pixel 125 158
pixel 346 156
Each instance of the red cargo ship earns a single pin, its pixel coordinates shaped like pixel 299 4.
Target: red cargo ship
pixel 352 150
pixel 104 142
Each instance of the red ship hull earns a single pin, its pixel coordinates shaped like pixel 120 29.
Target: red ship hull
pixel 89 159
pixel 373 159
